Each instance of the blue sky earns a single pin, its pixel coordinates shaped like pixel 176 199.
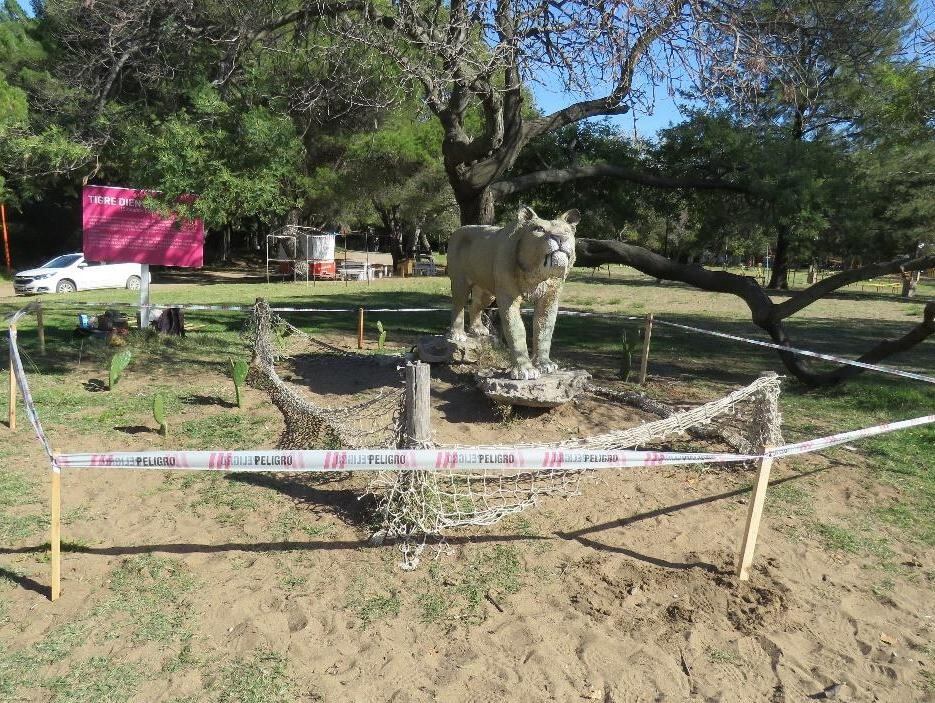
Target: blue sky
pixel 664 112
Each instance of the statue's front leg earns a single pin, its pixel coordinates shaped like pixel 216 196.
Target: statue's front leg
pixel 459 296
pixel 543 325
pixel 514 333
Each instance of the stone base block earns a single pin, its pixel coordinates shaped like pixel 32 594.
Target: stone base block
pixel 547 391
pixel 438 349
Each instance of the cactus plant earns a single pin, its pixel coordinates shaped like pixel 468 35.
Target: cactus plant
pixel 159 414
pixel 627 349
pixel 381 340
pixel 239 371
pixel 118 363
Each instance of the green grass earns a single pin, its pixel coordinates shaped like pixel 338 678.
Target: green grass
pixel 260 679
pixel 97 680
pixel 18 501
pixel 461 594
pixel 716 655
pixel 87 681
pixel 60 641
pixel 904 460
pixel 149 599
pixel 226 500
pixel 790 499
pixel 230 430
pixel 291 523
pixel 371 602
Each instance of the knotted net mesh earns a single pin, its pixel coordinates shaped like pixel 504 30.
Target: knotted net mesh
pixel 433 502
pixel 415 505
pixel 373 421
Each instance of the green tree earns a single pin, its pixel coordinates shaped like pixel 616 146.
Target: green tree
pixel 36 148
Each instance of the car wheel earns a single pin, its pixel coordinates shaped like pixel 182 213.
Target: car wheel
pixel 65 286
pixel 133 283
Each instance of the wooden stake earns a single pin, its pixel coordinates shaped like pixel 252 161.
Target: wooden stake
pixel 418 426
pixel 644 357
pixel 6 239
pixel 360 328
pixel 12 405
pixel 754 514
pixel 40 328
pixel 55 534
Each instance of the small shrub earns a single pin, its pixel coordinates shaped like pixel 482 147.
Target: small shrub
pixel 239 371
pixel 118 363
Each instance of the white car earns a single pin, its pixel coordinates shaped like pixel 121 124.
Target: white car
pixel 70 272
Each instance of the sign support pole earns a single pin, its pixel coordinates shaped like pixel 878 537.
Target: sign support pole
pixel 144 298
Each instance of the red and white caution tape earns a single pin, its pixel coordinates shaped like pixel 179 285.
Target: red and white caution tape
pixel 496 458
pixel 844 437
pixel 28 403
pixel 804 352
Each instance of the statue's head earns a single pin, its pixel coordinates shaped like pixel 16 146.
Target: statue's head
pixel 546 248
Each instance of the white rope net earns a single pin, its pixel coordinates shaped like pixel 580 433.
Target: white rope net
pixel 372 422
pixel 416 505
pixel 433 502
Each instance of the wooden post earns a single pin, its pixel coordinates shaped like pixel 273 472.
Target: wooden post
pixel 360 328
pixel 6 239
pixel 644 357
pixel 40 328
pixel 754 514
pixel 418 426
pixel 12 404
pixel 55 534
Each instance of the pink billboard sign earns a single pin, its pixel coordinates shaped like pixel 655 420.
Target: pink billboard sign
pixel 119 229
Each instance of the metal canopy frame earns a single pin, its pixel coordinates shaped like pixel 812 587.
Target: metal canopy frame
pixel 296 234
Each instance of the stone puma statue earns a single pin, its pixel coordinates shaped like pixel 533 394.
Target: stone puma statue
pixel 525 260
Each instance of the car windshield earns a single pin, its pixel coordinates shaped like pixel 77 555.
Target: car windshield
pixel 60 262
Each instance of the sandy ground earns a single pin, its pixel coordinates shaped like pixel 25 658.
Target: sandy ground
pixel 625 592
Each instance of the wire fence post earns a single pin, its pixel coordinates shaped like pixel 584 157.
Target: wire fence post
pixel 55 534
pixel 644 356
pixel 360 328
pixel 40 327
pixel 11 407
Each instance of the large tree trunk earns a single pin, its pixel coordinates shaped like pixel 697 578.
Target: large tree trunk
pixel 389 215
pixel 779 278
pixel 476 206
